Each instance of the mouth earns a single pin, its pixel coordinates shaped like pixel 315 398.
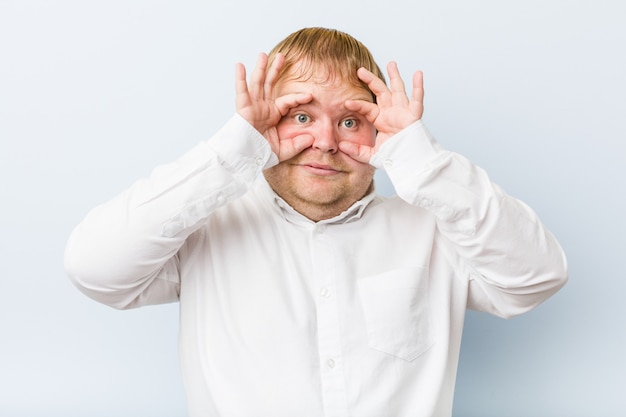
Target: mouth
pixel 319 169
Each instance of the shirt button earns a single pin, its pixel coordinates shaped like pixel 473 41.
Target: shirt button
pixel 319 228
pixel 221 199
pixel 331 364
pixel 325 292
pixel 259 161
pixel 388 162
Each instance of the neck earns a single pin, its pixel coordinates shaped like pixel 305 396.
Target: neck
pixel 316 211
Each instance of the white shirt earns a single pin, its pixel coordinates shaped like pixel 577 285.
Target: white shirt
pixel 360 315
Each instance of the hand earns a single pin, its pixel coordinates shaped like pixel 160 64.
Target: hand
pixel 392 112
pixel 263 111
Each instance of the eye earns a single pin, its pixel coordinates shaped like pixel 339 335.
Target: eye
pixel 349 123
pixel 302 118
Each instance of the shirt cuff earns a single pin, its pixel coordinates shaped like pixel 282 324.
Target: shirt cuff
pixel 413 145
pixel 408 157
pixel 242 149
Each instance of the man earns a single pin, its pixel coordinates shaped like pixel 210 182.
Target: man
pixel 302 292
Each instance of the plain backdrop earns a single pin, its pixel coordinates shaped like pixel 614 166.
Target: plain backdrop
pixel 94 94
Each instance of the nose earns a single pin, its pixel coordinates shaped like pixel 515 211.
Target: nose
pixel 325 137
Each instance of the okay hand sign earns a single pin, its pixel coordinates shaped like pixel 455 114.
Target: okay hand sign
pixel 392 112
pixel 256 103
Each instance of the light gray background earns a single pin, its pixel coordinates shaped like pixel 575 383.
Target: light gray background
pixel 94 94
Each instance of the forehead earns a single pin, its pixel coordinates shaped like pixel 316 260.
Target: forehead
pixel 322 90
pixel 324 80
pixel 316 87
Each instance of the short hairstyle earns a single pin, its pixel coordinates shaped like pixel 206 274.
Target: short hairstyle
pixel 320 49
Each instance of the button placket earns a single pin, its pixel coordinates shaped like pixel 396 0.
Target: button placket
pixel 328 323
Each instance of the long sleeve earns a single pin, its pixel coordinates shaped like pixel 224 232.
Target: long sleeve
pixel 123 253
pixel 497 242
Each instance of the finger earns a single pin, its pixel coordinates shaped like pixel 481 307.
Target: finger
pixel 290 147
pixel 417 94
pixel 289 101
pixel 398 90
pixel 360 153
pixel 257 79
pixel 241 86
pixel 297 145
pixel 418 86
pixel 375 84
pixel 272 74
pixel 369 110
pixel 240 78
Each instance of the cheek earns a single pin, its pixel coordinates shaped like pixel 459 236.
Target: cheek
pixel 364 136
pixel 287 130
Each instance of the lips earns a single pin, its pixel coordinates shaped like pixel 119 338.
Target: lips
pixel 319 169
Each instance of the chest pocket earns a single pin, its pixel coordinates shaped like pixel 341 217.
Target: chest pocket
pixel 397 312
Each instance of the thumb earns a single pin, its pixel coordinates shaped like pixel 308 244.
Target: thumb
pixel 288 148
pixel 361 153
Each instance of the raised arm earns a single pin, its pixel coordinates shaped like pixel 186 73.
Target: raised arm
pixel 259 105
pixel 124 253
pixel 495 241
